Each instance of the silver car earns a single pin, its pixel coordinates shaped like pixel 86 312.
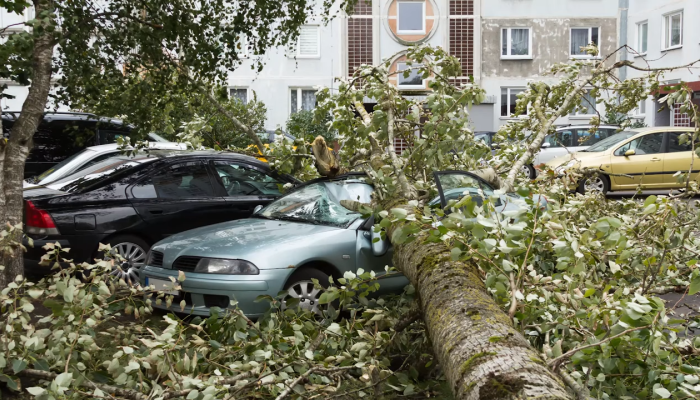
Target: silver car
pixel 301 236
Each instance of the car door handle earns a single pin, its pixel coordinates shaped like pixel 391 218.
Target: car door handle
pixel 655 159
pixel 155 211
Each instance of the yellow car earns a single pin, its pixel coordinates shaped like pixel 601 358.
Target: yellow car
pixel 647 157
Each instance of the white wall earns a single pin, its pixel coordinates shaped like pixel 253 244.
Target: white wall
pixel 549 8
pixel 653 12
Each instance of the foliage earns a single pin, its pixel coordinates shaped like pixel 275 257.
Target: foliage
pixel 85 343
pixel 616 119
pixel 302 124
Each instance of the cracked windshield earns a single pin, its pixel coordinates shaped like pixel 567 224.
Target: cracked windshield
pixel 319 204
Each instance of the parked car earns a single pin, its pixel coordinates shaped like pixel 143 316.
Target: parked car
pixel 88 157
pixel 647 157
pixel 138 201
pixel 301 236
pixel 62 134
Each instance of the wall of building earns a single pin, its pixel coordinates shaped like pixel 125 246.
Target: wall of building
pixel 653 12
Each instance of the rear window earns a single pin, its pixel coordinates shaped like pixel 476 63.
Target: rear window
pixel 100 173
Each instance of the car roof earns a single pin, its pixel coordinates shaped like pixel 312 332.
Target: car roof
pixel 167 154
pixel 662 129
pixel 66 116
pixel 563 128
pixel 104 148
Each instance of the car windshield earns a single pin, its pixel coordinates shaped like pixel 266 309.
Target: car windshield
pixel 610 141
pixel 60 165
pixel 157 138
pixel 107 169
pixel 319 204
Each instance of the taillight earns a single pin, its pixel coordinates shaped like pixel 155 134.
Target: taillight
pixel 39 222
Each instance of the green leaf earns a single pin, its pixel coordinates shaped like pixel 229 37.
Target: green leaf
pixel 11 383
pixel 18 366
pixel 193 394
pixel 455 253
pixel 651 208
pixel 214 344
pixel 36 391
pixel 55 307
pixel 662 392
pixel 694 285
pixel 589 292
pixel 650 200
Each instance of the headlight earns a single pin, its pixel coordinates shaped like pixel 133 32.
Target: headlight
pixel 222 266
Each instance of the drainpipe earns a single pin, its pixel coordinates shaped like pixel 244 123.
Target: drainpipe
pixel 622 16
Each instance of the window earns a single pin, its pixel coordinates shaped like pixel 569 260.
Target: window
pixel 302 99
pixel 309 42
pixel 587 107
pixel 642 109
pixel 516 43
pixel 673 30
pixel 560 139
pixel 582 37
pixel 240 94
pixel 584 137
pixel 674 142
pixel 242 46
pixel 239 180
pixel 414 80
pixel 642 37
pixel 54 141
pixel 181 181
pixel 509 96
pixel 648 144
pixel 411 17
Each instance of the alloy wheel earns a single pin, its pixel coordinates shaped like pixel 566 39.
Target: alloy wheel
pixel 525 170
pixel 308 296
pixel 594 185
pixel 131 257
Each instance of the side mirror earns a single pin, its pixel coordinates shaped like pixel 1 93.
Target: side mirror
pixel 630 152
pixel 380 246
pixel 257 208
pixel 545 145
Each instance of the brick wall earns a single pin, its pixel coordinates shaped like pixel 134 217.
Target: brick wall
pixel 360 35
pixel 461 34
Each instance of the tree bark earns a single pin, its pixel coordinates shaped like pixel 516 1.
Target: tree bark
pixel 14 153
pixel 480 351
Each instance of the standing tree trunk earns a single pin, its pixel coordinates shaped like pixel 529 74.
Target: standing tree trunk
pixel 14 153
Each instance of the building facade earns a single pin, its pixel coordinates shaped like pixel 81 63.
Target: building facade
pixel 522 39
pixel 661 34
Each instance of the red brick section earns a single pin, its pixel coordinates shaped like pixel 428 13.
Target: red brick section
pixel 462 36
pixel 360 36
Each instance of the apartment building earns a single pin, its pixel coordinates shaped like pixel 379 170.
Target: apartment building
pixel 661 34
pixel 522 39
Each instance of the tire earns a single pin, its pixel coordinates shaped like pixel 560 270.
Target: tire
pixel 599 183
pixel 529 171
pixel 300 286
pixel 134 250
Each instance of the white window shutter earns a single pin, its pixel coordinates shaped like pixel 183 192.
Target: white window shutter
pixel 309 41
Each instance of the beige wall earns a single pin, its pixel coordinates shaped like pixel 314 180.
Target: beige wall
pixel 550 44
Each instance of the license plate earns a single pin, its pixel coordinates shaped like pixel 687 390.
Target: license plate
pixel 162 285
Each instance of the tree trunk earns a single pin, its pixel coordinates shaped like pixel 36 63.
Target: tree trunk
pixel 482 354
pixel 14 153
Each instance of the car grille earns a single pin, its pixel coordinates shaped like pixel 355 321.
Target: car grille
pixel 213 300
pixel 186 263
pixel 156 259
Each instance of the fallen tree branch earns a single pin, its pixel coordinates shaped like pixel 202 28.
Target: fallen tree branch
pixel 288 390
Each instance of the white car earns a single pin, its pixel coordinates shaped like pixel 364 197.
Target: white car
pixel 87 158
pixel 570 139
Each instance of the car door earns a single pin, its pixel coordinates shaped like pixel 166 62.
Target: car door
pixel 376 258
pixel 678 157
pixel 644 167
pixel 245 186
pixel 555 145
pixel 179 197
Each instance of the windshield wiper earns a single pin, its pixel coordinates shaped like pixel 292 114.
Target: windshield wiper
pixel 295 219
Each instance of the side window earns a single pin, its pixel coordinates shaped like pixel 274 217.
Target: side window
pixel 560 139
pixel 96 160
pixel 455 185
pixel 239 180
pixel 181 181
pixel 586 138
pixel 648 144
pixel 674 145
pixel 107 136
pixel 55 141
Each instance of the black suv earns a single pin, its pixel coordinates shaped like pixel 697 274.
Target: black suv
pixel 62 134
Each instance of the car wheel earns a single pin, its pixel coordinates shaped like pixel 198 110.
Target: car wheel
pixel 528 171
pixel 300 286
pixel 598 184
pixel 133 251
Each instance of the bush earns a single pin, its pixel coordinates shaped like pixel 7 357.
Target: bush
pixel 302 124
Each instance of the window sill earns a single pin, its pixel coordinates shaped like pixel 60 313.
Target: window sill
pixel 512 118
pixel 582 116
pixel 411 87
pixel 516 57
pixel 410 32
pixel 306 57
pixel 672 48
pixel 585 57
pixel 640 55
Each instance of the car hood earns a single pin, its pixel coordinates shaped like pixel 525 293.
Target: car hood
pixel 587 159
pixel 269 244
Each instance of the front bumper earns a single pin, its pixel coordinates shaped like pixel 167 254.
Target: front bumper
pixel 203 291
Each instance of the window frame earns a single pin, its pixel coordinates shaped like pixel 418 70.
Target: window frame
pixel 666 31
pixel 509 46
pixel 509 88
pixel 398 18
pixel 247 92
pixel 217 189
pixel 399 74
pixel 300 101
pixel 663 149
pixel 297 45
pixel 640 50
pixel 590 39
